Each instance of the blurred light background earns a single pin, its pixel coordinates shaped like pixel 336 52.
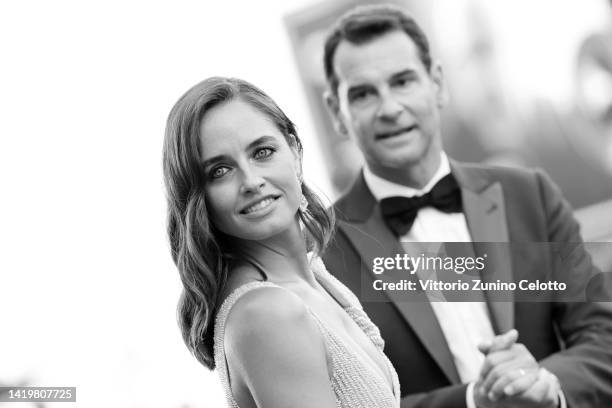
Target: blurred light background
pixel 87 287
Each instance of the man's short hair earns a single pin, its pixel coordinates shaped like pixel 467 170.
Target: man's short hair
pixel 366 23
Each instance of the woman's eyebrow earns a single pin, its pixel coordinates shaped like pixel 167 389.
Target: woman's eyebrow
pixel 253 144
pixel 215 159
pixel 261 140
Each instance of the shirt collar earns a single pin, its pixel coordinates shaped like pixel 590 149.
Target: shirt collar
pixel 382 188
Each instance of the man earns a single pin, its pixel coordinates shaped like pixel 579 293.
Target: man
pixel 386 92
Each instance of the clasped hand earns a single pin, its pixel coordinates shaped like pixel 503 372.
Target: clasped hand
pixel 511 377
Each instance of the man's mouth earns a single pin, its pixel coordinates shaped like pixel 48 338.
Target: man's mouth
pixel 388 135
pixel 259 204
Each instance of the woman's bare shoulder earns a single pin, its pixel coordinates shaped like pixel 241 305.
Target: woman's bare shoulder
pixel 270 330
pixel 264 308
pixel 264 312
pixel 266 319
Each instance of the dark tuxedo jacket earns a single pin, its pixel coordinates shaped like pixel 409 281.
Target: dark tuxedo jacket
pixel 573 340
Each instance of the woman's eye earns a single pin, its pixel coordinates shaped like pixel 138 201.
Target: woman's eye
pixel 263 152
pixel 218 172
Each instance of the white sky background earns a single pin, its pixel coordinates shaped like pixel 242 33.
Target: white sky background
pixel 87 287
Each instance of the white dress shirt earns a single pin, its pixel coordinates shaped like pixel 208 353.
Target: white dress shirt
pixel 464 324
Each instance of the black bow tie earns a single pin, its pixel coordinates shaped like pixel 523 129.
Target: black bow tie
pixel 399 212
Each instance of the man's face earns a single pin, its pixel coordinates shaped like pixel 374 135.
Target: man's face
pixel 388 101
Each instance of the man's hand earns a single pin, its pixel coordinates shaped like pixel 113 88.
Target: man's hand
pixel 503 342
pixel 512 369
pixel 499 342
pixel 543 393
pixel 510 377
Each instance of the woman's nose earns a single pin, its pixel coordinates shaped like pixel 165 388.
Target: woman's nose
pixel 252 182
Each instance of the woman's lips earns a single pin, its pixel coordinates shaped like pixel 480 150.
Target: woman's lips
pixel 258 205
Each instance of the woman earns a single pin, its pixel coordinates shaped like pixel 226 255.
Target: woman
pixel 279 329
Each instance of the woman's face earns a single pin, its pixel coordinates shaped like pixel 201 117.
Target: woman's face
pixel 252 187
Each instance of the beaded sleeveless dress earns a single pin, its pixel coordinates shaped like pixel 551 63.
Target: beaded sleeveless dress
pixel 354 383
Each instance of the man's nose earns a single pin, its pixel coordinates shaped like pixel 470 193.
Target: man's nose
pixel 252 181
pixel 390 108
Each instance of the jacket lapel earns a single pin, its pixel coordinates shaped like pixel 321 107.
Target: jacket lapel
pixel 364 226
pixel 484 209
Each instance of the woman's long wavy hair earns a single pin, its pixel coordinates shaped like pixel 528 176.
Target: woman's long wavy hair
pixel 199 250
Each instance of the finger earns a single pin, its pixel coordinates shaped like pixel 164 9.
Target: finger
pixel 553 384
pixel 517 355
pixel 500 373
pixel 499 342
pixel 521 383
pixel 537 393
pixel 504 341
pixel 505 370
pixel 493 363
pixel 496 390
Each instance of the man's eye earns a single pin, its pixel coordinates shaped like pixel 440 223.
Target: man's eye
pixel 403 82
pixel 218 172
pixel 360 95
pixel 263 152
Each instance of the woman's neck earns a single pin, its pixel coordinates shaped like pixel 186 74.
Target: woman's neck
pixel 282 257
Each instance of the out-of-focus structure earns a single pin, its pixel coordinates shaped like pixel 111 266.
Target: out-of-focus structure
pixel 527 89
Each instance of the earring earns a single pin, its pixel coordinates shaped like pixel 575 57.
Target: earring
pixel 303 203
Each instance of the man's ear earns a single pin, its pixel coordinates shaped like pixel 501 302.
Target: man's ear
pixel 333 108
pixel 437 76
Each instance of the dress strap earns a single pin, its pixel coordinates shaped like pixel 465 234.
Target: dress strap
pixel 348 301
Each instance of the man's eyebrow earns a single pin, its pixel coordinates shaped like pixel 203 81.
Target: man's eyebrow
pixel 253 144
pixel 358 87
pixel 403 73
